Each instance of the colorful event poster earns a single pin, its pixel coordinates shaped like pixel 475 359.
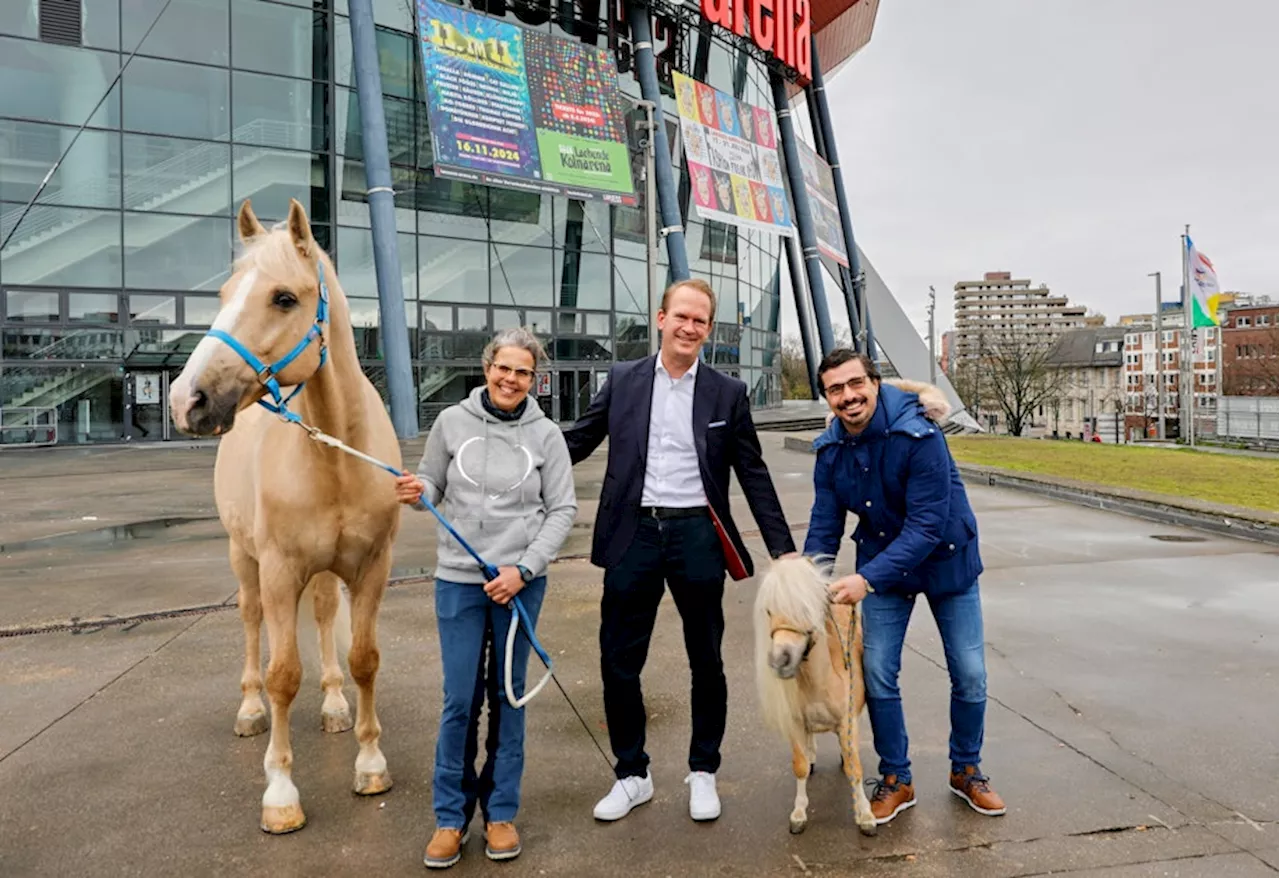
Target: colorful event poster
pixel 521 109
pixel 820 185
pixel 731 148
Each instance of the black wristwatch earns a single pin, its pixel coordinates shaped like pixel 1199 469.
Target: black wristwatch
pixel 525 573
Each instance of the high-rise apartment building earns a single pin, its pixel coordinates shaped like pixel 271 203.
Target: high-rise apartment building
pixel 1001 307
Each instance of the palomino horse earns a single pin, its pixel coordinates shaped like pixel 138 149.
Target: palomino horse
pixel 303 519
pixel 809 675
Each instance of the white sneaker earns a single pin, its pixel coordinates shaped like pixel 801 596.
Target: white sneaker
pixel 625 795
pixel 704 803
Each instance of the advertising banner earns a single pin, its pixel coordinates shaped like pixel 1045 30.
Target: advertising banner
pixel 521 109
pixel 820 184
pixel 731 148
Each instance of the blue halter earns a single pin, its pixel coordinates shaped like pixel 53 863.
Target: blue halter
pixel 267 374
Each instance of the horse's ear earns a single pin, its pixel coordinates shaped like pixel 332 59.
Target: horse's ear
pixel 300 229
pixel 247 223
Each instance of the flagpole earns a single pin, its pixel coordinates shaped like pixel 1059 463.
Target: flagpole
pixel 1188 322
pixel 1217 380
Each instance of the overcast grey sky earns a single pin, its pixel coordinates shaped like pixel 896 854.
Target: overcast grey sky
pixel 1067 143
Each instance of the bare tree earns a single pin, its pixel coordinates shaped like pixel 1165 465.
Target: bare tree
pixel 1020 377
pixel 795 371
pixel 966 379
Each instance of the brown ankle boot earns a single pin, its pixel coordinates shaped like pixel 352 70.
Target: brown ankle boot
pixel 444 849
pixel 972 786
pixel 502 842
pixel 891 798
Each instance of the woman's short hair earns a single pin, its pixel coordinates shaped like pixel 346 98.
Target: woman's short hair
pixel 519 337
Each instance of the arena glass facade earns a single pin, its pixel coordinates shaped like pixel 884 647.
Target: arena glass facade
pixel 111 279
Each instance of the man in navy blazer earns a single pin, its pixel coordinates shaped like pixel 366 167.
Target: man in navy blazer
pixel 676 428
pixel 883 459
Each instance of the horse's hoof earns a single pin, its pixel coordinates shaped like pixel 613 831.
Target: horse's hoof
pixel 868 830
pixel 280 819
pixel 253 724
pixel 371 784
pixel 797 826
pixel 337 720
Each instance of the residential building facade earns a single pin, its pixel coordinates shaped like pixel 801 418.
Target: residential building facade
pixel 1250 345
pixel 1152 365
pixel 1091 387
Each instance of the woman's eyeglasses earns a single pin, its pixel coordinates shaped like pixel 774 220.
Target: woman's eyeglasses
pixel 505 371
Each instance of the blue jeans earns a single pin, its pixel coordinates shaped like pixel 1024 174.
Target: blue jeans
pixel 471 625
pixel 959 619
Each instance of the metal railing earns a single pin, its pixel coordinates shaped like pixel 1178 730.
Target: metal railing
pixel 28 426
pixel 1248 418
pixel 165 179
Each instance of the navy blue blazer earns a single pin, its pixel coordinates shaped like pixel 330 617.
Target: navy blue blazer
pixel 725 438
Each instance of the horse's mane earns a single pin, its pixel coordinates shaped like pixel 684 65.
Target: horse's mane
pixel 793 591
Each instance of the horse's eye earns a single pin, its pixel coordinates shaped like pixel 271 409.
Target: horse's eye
pixel 284 299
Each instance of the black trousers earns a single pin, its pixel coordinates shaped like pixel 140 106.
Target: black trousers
pixel 685 554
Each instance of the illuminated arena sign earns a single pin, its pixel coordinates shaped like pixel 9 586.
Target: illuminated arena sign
pixel 779 27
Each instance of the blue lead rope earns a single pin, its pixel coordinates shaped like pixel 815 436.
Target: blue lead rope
pixel 267 376
pixel 492 573
pixel 519 615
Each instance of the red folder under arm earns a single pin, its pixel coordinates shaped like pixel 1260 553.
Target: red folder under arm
pixel 733 561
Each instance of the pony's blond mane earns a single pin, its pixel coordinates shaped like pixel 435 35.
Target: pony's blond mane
pixel 793 592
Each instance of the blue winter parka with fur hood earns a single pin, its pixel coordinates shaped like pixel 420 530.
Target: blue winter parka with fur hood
pixel 916 532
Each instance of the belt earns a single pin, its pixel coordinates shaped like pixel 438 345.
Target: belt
pixel 664 512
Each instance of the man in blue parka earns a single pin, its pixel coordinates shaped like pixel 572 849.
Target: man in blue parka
pixel 885 460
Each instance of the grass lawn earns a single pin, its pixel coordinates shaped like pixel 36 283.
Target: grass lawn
pixel 1217 478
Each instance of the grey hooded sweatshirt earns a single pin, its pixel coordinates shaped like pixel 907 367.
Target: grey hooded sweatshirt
pixel 507 488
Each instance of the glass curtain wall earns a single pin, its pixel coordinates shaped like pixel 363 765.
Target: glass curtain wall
pixel 115 269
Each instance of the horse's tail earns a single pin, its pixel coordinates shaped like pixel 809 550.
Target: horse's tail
pixel 309 631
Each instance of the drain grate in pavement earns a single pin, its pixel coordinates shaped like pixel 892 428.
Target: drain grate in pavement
pixel 1179 538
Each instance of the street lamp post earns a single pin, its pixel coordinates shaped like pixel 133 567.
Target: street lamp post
pixel 933 357
pixel 1159 359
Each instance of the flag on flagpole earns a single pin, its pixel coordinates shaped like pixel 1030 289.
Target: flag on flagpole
pixel 1205 293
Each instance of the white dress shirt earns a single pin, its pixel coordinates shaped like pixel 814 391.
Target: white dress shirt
pixel 671 475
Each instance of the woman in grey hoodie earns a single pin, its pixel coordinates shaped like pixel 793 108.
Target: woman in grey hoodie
pixel 502 470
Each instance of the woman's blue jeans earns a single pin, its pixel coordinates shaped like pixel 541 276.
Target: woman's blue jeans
pixel 472 628
pixel 959 619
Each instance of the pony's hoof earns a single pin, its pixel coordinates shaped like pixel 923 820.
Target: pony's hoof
pixel 813 766
pixel 337 720
pixel 280 819
pixel 250 725
pixel 371 784
pixel 867 829
pixel 797 826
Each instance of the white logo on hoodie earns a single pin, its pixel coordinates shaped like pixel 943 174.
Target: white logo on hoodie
pixel 461 456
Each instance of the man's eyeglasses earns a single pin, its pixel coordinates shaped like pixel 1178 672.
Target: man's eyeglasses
pixel 505 371
pixel 857 382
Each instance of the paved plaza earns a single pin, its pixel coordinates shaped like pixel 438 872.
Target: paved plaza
pixel 1132 722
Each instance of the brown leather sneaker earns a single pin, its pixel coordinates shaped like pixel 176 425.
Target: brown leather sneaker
pixel 890 798
pixel 444 849
pixel 972 786
pixel 502 842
